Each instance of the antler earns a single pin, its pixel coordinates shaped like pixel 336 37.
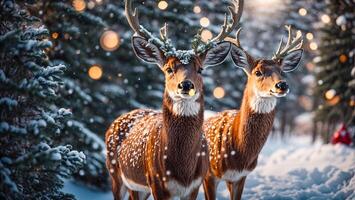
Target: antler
pixel 235 12
pixel 132 17
pixel 292 44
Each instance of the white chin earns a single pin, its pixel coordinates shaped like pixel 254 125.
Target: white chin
pixel 185 105
pixel 279 95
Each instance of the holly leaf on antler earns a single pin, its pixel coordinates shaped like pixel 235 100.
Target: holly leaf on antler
pixel 197 41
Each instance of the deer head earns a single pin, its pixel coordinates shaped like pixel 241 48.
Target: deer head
pixel 265 75
pixel 182 68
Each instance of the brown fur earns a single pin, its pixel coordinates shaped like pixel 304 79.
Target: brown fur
pixel 145 145
pixel 236 137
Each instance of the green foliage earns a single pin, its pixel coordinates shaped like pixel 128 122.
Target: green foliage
pixel 335 62
pixel 31 162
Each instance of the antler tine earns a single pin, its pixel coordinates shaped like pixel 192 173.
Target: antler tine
pixel 132 17
pixel 235 11
pixel 235 40
pixel 291 45
pixel 164 32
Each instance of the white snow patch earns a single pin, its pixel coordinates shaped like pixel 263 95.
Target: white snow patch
pixel 289 168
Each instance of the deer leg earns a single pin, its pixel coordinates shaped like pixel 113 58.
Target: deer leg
pixel 136 195
pixel 210 186
pixel 232 188
pixel 191 196
pixel 118 189
pixel 240 187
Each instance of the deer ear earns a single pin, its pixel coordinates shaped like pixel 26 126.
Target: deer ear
pixel 291 61
pixel 146 51
pixel 217 54
pixel 240 58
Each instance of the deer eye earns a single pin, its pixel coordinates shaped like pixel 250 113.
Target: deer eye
pixel 199 70
pixel 169 70
pixel 258 73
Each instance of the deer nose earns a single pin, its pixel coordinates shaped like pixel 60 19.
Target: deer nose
pixel 186 85
pixel 282 85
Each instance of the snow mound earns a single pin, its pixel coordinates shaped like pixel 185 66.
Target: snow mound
pixel 289 169
pixel 325 172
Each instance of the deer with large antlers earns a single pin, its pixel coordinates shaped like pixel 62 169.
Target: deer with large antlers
pixel 165 153
pixel 236 137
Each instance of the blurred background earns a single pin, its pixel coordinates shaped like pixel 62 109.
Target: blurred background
pixel 103 78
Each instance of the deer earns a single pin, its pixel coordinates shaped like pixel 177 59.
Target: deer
pixel 164 153
pixel 236 137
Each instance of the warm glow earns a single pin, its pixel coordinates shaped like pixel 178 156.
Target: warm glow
pixel 91 4
pixel 206 35
pixel 309 36
pixel 334 100
pixel 55 35
pixel 343 58
pixel 197 9
pixel 218 92
pixel 302 12
pixel 325 19
pixel 79 5
pixel 110 41
pixel 162 5
pixel 352 103
pixel 310 66
pixel 313 46
pixel 95 72
pixel 330 94
pixel 204 21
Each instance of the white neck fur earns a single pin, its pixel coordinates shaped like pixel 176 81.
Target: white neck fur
pixel 186 107
pixel 260 103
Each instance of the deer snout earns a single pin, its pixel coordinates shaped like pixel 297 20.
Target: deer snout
pixel 282 86
pixel 186 86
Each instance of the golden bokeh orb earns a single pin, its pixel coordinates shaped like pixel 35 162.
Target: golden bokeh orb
pixel 343 58
pixel 206 35
pixel 79 5
pixel 330 94
pixel 162 5
pixel 313 46
pixel 309 36
pixel 325 18
pixel 95 72
pixel 55 35
pixel 110 40
pixel 218 92
pixel 204 22
pixel 302 11
pixel 197 9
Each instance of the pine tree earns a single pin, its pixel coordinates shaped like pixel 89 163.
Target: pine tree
pixel 77 29
pixel 335 61
pixel 32 163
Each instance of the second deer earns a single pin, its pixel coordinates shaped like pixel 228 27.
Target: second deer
pixel 236 137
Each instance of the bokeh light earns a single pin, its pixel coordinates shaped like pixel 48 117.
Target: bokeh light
pixel 95 72
pixel 218 92
pixel 197 9
pixel 309 36
pixel 325 19
pixel 205 22
pixel 162 5
pixel 110 40
pixel 330 94
pixel 343 58
pixel 313 46
pixel 302 11
pixel 55 35
pixel 206 35
pixel 79 5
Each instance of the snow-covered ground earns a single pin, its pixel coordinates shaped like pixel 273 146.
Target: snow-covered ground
pixel 289 168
